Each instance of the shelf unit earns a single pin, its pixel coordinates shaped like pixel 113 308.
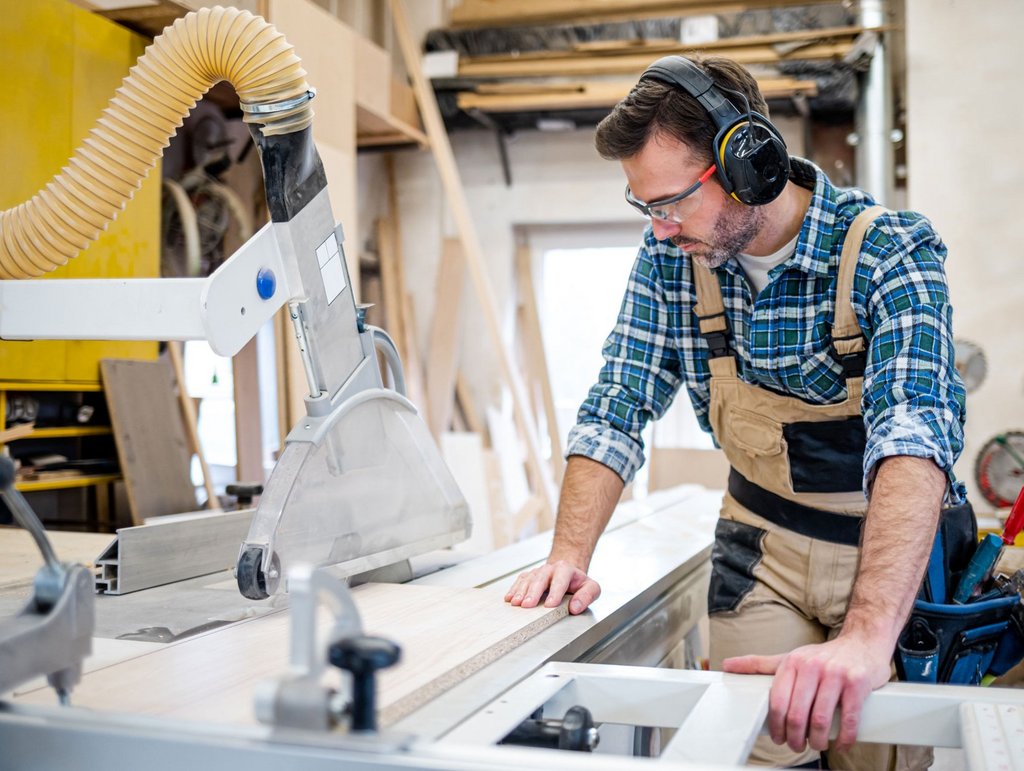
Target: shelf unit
pixel 68 483
pixel 95 510
pixel 68 432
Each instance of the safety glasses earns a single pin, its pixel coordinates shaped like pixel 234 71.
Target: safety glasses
pixel 675 209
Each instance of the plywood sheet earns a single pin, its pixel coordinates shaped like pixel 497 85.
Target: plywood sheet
pixel 442 364
pixel 446 634
pixel 151 443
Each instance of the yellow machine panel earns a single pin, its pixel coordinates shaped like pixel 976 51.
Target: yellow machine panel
pixel 62 65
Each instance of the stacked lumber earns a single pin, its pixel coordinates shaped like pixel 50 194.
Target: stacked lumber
pixel 593 75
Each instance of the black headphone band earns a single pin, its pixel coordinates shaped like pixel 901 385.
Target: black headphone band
pixel 681 72
pixel 749 152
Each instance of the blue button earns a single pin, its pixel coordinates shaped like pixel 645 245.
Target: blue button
pixel 266 283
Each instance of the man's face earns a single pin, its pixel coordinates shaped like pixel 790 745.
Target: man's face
pixel 718 229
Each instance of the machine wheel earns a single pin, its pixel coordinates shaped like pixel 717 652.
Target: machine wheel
pixel 252 583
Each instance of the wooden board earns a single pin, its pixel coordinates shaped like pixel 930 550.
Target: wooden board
pixel 190 421
pixel 410 353
pixel 445 333
pixel 151 444
pixel 248 425
pixel 492 13
pixel 593 94
pixel 623 64
pixel 472 246
pixel 445 634
pixel 105 652
pixel 788 42
pixel 536 359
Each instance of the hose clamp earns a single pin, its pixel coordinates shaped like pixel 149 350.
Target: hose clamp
pixel 268 108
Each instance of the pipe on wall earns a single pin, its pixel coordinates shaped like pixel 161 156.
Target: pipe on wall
pixel 875 152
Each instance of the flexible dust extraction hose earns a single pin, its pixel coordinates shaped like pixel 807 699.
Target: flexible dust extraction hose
pixel 181 65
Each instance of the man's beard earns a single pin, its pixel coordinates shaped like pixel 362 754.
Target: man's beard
pixel 734 230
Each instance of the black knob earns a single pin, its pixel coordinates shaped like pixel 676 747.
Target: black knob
pixel 363 656
pixel 244 492
pixel 578 732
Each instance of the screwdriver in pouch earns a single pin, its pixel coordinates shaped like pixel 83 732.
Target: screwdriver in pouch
pixel 987 554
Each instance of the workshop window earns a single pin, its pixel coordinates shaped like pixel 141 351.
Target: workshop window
pixel 579 297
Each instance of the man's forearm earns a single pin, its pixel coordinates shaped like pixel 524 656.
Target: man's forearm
pixel 898 534
pixel 590 492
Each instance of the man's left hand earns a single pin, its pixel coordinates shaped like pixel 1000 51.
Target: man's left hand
pixel 810 682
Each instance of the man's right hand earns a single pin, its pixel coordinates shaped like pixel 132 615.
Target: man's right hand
pixel 557 579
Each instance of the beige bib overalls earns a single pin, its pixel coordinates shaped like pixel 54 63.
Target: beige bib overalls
pixel 786 546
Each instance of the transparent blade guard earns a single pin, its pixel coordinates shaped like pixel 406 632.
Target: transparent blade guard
pixel 367 489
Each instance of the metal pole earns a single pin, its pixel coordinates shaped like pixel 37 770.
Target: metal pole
pixel 875 155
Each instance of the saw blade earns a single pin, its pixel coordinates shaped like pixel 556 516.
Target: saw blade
pixel 970 362
pixel 999 469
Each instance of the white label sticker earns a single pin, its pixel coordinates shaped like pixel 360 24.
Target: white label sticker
pixel 322 255
pixel 332 271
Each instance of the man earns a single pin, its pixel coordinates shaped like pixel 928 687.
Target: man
pixel 812 333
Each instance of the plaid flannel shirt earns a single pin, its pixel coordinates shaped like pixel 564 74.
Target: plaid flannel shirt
pixel 913 402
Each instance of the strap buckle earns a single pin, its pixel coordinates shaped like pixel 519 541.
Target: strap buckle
pixel 718 343
pixel 853 364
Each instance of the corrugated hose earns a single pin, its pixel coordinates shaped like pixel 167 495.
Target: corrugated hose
pixel 181 65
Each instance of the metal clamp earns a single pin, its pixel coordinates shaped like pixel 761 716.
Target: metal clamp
pixel 52 634
pixel 268 108
pixel 297 699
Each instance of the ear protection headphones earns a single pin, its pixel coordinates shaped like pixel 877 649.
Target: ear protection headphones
pixel 750 154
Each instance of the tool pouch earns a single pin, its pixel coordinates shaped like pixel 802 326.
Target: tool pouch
pixel 946 642
pixel 957 644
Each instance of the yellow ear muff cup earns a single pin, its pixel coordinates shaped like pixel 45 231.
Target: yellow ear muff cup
pixel 721 154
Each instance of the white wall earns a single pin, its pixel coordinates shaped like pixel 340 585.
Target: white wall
pixel 965 114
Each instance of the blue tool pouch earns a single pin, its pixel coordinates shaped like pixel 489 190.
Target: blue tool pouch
pixel 965 640
pixel 947 642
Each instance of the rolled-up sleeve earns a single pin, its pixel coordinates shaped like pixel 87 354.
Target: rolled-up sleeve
pixel 638 381
pixel 914 399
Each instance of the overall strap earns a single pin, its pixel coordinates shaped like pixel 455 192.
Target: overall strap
pixel 847 339
pixel 710 310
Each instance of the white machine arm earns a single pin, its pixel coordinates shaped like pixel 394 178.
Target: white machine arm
pixel 227 308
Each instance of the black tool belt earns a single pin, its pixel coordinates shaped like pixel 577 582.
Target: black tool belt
pixel 812 523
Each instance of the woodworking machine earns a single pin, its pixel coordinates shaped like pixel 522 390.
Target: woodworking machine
pixel 359 485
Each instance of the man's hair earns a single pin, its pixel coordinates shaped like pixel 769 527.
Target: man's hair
pixel 653 106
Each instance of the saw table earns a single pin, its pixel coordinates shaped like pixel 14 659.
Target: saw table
pixel 202 650
pixel 186 662
pixel 654 560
